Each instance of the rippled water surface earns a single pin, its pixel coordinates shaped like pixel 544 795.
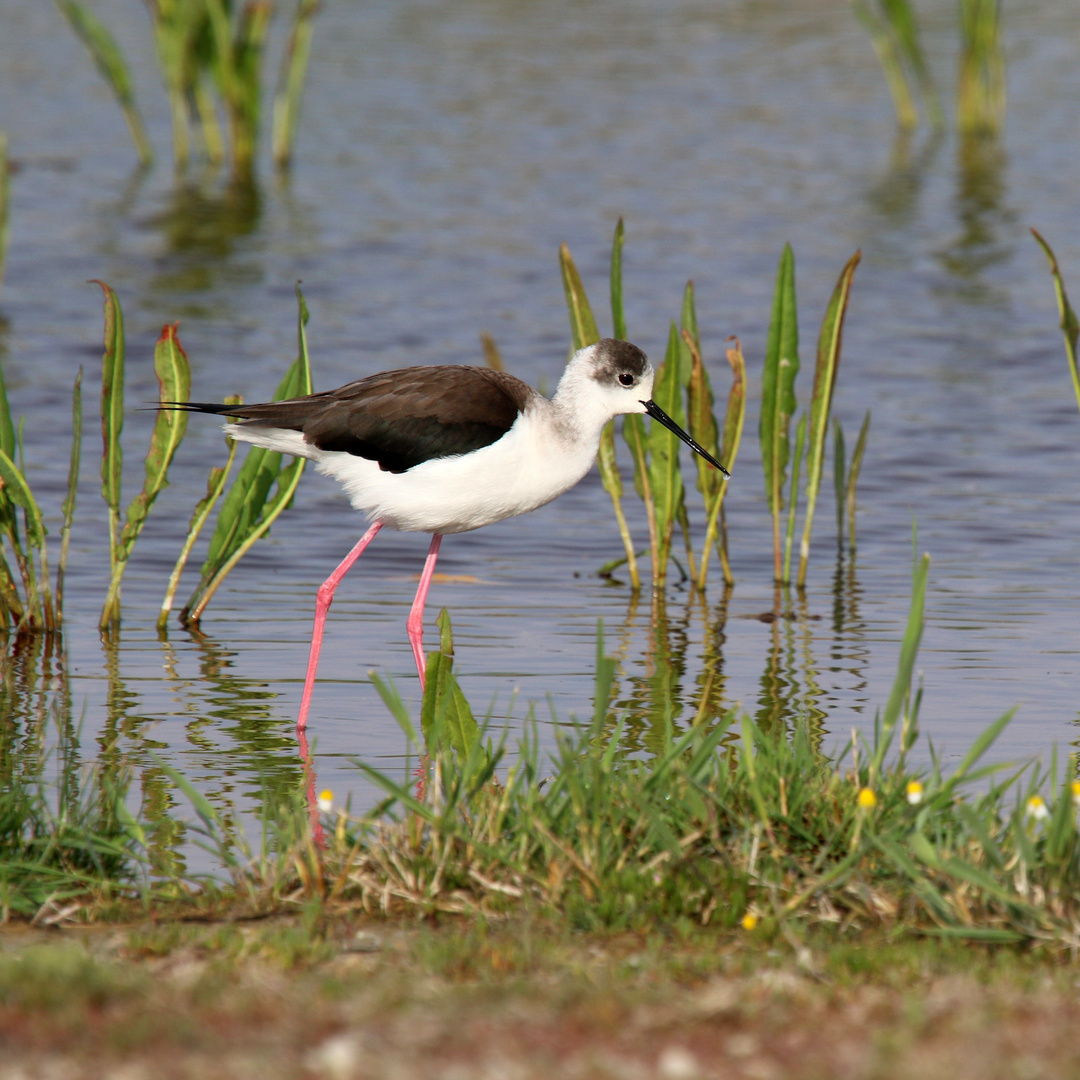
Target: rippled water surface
pixel 446 150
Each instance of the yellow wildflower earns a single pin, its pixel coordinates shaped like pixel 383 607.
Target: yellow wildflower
pixel 867 798
pixel 914 792
pixel 749 921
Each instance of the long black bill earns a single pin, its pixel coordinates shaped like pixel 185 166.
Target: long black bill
pixel 662 417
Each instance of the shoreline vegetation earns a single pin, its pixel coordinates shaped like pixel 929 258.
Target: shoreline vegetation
pixel 740 901
pixel 726 825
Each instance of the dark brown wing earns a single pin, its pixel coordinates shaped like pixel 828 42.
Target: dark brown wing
pixel 401 418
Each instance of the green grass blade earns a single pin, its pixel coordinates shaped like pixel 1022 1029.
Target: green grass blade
pixel 290 87
pixel 828 362
pixel 392 699
pixel 1070 325
pixel 109 59
pixel 778 393
pixel 909 651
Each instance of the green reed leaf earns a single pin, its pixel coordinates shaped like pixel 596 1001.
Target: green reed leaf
pixel 291 78
pixel 839 479
pixel 583 330
pixel 68 508
pixel 110 62
pixel 853 477
pixel 112 415
pixel 894 32
pixel 734 420
pixel 5 197
pixel 1070 324
pixel 18 491
pixel 618 315
pixel 215 485
pixel 445 710
pixel 492 356
pixel 778 392
pixel 828 361
pixel 980 88
pixel 665 478
pixel 793 496
pixel 174 385
pixel 248 511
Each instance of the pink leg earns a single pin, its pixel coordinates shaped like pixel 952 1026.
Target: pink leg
pixel 322 605
pixel 318 833
pixel 415 625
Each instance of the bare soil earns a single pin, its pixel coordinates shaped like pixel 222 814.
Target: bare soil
pixel 351 1000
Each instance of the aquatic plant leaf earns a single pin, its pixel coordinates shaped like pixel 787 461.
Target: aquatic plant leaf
pixel 291 78
pixel 215 485
pixel 18 491
pixel 894 32
pixel 980 86
pixel 778 392
pixel 68 508
pixel 1070 324
pixel 248 510
pixel 665 477
pixel 793 496
pixel 112 415
pixel 110 62
pixel 583 330
pixel 5 204
pixel 445 711
pixel 853 476
pixel 618 314
pixel 492 356
pixel 174 384
pixel 828 362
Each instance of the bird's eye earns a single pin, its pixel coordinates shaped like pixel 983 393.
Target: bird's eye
pixel 626 378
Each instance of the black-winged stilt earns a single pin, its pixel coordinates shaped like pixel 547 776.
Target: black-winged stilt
pixel 449 449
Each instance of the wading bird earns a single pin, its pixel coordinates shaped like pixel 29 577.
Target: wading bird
pixel 448 449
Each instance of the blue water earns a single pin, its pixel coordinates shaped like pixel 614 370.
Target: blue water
pixel 446 150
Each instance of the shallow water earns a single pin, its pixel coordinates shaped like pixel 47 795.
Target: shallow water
pixel 446 150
